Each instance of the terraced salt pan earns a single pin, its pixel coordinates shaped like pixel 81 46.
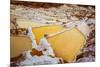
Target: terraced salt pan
pixel 19 45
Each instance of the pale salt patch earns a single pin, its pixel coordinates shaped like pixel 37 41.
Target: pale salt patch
pixel 37 60
pixel 70 25
pixel 30 33
pixel 46 45
pixel 83 27
pixel 32 37
pixel 27 54
pixel 89 21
